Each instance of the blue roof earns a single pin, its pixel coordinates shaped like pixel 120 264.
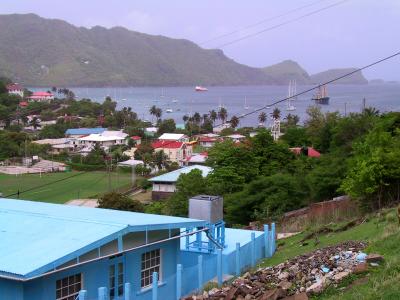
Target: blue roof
pixel 174 175
pixel 35 237
pixel 85 131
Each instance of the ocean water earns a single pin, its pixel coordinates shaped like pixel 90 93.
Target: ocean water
pixel 185 100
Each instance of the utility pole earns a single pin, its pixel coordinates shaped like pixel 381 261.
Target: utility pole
pixel 345 109
pixel 364 103
pixel 109 175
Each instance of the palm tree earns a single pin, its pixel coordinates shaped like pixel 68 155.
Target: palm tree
pixel 222 114
pixel 153 110
pixel 234 122
pixel 213 116
pixel 276 114
pixel 196 118
pixel 185 118
pixel 292 120
pixel 262 118
pixel 158 113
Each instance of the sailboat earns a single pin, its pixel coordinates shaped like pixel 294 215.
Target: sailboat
pixel 291 93
pixel 321 97
pixel 246 107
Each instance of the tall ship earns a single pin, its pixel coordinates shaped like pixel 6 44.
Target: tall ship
pixel 200 89
pixel 291 95
pixel 321 97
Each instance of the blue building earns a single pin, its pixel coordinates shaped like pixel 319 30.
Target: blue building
pixel 61 252
pixel 77 132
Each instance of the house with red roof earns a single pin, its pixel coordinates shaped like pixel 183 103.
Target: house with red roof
pixel 41 97
pixel 15 89
pixel 176 151
pixel 309 151
pixel 137 139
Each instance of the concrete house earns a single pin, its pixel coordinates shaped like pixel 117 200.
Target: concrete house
pixel 41 97
pixel 15 89
pixel 175 151
pixel 178 137
pixel 61 252
pixel 165 184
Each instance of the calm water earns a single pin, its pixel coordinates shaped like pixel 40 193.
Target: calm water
pixel 184 100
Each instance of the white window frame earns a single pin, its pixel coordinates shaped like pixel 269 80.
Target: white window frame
pixel 70 295
pixel 142 285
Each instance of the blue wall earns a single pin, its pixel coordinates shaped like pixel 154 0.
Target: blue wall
pixel 95 275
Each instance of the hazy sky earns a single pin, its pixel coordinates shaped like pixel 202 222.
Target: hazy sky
pixel 353 33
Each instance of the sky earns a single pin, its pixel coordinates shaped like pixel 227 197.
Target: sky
pixel 349 33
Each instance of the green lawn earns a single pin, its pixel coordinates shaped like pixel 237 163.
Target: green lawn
pixel 84 185
pixel 383 235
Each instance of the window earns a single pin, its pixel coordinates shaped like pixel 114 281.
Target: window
pixel 68 287
pixel 151 262
pixel 116 278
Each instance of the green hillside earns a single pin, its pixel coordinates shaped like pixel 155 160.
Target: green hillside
pixel 356 78
pixel 287 70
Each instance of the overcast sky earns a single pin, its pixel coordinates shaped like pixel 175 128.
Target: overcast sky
pixel 353 33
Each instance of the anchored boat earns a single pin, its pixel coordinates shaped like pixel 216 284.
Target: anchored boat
pixel 321 97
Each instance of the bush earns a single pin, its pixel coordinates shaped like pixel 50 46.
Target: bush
pixel 144 183
pixel 118 201
pixel 85 167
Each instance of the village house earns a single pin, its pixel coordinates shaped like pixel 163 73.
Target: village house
pixel 57 145
pixel 175 151
pixel 41 97
pixel 208 140
pixel 308 151
pixel 197 159
pixel 137 140
pixel 165 184
pixel 62 252
pixel 178 137
pixel 236 137
pixel 105 140
pixel 15 89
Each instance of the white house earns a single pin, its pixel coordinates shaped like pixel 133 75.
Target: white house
pixel 177 137
pixel 41 97
pixel 165 184
pixel 105 139
pixel 236 137
pixel 15 89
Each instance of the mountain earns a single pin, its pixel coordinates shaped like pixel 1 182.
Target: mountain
pixel 287 70
pixel 46 52
pixel 356 78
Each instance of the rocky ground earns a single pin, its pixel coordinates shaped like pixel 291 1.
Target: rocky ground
pixel 298 277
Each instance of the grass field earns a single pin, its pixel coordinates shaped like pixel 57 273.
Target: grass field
pixel 382 232
pixel 81 185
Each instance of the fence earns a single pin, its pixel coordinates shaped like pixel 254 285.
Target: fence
pixel 207 266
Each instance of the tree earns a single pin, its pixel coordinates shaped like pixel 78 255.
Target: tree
pixel 158 114
pixel 234 122
pixel 213 116
pixel 296 137
pixel 153 110
pixel 276 113
pixel 262 118
pixel 188 185
pixel 292 120
pixel 197 118
pixel 114 200
pixel 167 125
pixel 185 118
pixel 160 159
pixel 223 114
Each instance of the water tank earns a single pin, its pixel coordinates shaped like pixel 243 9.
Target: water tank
pixel 207 208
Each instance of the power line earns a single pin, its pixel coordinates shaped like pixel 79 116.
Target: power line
pixel 262 21
pixel 282 24
pixel 316 87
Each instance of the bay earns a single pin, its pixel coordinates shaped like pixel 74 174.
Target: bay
pixel 185 100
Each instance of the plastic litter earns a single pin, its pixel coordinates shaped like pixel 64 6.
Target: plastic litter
pixel 361 257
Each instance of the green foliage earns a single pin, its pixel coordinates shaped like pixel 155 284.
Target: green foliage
pixel 118 201
pixel 296 137
pixel 166 126
pixel 188 185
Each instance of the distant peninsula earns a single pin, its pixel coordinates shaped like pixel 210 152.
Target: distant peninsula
pixel 36 51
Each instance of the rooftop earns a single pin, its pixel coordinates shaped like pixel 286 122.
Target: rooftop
pixel 100 137
pixel 167 144
pixel 172 136
pixel 174 175
pixel 84 131
pixel 37 237
pixel 14 87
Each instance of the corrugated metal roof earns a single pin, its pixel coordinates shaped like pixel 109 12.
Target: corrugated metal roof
pixel 85 131
pixel 35 237
pixel 174 175
pixel 172 136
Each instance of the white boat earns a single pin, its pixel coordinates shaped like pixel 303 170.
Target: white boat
pixel 246 107
pixel 169 110
pixel 175 101
pixel 291 93
pixel 124 99
pixel 200 89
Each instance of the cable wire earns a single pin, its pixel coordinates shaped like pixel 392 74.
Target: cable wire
pixel 282 24
pixel 262 21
